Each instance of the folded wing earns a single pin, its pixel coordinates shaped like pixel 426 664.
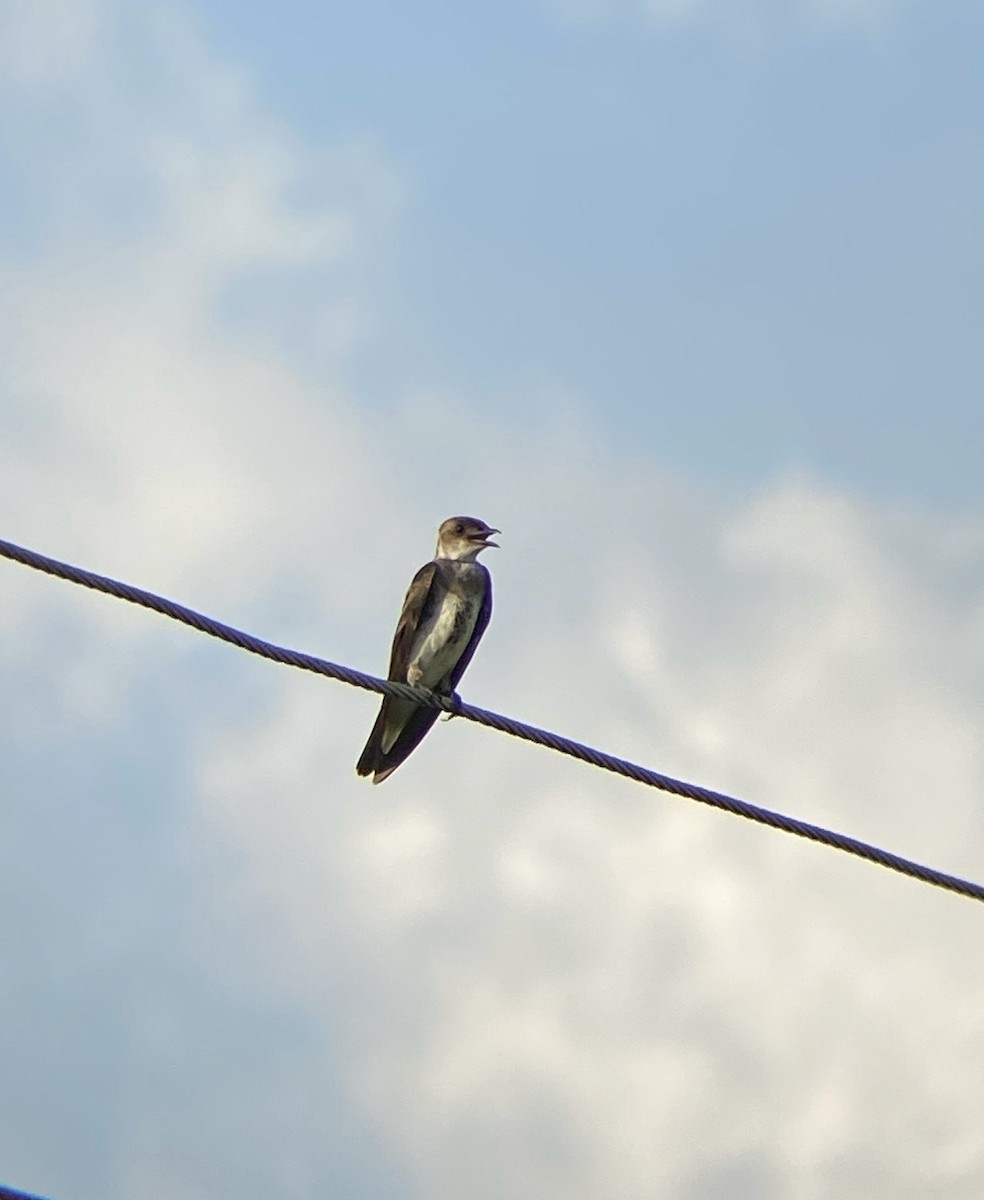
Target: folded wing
pixel 401 724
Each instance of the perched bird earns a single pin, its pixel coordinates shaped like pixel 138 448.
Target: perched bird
pixel 445 613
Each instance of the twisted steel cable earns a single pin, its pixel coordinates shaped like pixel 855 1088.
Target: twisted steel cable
pixel 7 1193
pixel 529 733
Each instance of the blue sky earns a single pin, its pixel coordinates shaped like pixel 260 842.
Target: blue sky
pixel 687 303
pixel 744 241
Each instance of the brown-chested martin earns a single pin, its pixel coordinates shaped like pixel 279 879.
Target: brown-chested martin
pixel 445 613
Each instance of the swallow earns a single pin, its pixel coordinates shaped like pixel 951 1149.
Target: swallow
pixel 446 611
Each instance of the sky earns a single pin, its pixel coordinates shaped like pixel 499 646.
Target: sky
pixel 683 296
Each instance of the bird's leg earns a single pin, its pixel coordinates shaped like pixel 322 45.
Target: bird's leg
pixel 455 699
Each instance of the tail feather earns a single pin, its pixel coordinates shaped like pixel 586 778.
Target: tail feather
pixel 369 758
pixel 381 760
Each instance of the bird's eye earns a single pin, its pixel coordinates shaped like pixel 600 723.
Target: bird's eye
pixel 459 528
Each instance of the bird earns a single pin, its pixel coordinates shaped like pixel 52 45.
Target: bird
pixel 446 611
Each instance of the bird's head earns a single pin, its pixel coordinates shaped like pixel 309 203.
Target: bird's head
pixel 464 538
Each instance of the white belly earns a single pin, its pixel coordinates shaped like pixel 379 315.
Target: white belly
pixel 440 645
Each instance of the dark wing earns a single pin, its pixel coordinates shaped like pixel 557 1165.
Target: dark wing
pixel 481 624
pixel 417 605
pixel 401 724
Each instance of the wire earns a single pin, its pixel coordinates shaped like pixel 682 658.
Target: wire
pixel 529 733
pixel 7 1193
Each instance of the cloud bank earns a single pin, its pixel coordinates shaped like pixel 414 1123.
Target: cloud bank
pixel 235 970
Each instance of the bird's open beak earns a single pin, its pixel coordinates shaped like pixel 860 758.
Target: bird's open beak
pixel 482 539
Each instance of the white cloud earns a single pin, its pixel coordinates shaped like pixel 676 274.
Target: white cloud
pixel 612 992
pixel 142 434
pixel 503 973
pixel 46 41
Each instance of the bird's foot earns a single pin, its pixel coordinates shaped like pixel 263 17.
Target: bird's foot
pixel 456 702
